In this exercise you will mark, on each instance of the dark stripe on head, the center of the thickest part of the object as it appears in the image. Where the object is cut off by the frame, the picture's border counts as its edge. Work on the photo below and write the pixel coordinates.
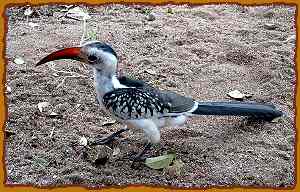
(105, 47)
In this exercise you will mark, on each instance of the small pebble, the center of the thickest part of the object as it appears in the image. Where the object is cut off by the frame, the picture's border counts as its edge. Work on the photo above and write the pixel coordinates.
(270, 26)
(151, 17)
(83, 141)
(236, 94)
(8, 90)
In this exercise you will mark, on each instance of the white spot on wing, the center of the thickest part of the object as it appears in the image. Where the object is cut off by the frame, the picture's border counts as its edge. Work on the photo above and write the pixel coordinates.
(125, 110)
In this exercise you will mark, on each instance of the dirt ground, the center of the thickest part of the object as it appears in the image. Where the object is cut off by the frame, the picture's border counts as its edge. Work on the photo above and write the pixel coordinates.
(199, 51)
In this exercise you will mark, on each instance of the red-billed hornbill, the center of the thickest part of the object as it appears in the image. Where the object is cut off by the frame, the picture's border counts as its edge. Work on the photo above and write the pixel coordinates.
(137, 104)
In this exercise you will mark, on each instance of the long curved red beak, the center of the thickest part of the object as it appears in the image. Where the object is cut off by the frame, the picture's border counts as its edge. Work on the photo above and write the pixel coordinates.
(67, 53)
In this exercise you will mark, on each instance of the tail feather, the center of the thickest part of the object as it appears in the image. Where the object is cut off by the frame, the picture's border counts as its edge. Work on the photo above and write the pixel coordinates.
(256, 110)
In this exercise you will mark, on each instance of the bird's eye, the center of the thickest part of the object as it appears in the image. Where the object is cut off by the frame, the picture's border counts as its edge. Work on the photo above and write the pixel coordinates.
(92, 58)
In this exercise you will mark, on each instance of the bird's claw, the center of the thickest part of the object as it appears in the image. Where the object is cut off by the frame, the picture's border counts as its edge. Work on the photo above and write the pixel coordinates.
(109, 139)
(103, 141)
(137, 157)
(138, 161)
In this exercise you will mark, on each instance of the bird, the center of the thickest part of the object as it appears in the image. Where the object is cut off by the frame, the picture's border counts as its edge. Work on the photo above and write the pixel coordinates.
(138, 104)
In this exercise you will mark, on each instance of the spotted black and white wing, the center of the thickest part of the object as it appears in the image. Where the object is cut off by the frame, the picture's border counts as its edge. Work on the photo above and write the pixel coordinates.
(145, 102)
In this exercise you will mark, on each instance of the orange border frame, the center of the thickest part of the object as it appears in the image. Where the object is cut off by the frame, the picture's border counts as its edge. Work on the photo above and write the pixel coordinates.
(3, 106)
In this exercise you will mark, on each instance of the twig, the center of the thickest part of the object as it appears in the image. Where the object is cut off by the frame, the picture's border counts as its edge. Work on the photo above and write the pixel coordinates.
(70, 17)
(84, 32)
(52, 131)
(82, 37)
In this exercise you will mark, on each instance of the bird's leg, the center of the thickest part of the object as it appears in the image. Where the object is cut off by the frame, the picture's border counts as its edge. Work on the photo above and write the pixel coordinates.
(110, 138)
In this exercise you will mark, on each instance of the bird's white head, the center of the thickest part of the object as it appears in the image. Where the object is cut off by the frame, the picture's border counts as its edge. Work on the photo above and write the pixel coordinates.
(94, 53)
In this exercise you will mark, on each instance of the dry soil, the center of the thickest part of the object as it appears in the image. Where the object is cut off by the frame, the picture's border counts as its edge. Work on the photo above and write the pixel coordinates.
(199, 51)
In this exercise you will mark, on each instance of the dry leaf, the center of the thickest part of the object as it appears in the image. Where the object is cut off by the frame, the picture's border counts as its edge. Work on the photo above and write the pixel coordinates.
(150, 71)
(83, 141)
(19, 61)
(116, 151)
(276, 120)
(236, 94)
(28, 11)
(43, 105)
(33, 25)
(8, 89)
(175, 169)
(78, 12)
(68, 6)
(55, 74)
(55, 115)
(156, 82)
(160, 162)
(108, 123)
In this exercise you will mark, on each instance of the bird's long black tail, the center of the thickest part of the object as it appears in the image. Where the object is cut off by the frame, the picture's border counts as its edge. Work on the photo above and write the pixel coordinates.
(252, 109)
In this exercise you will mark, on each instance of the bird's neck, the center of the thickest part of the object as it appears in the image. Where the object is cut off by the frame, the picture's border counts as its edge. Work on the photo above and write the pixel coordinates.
(105, 82)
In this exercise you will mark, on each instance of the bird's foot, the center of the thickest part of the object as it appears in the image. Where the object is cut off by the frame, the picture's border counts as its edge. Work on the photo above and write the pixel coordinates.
(109, 139)
(139, 158)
